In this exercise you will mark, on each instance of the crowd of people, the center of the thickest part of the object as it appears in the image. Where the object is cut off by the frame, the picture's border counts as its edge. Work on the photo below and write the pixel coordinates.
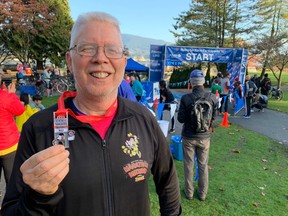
(254, 91)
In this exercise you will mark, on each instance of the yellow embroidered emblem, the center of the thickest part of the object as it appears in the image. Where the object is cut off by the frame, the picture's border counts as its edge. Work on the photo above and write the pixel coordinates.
(131, 146)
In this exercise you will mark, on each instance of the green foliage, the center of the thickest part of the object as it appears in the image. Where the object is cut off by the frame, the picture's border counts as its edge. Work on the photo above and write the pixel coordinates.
(181, 74)
(36, 29)
(213, 23)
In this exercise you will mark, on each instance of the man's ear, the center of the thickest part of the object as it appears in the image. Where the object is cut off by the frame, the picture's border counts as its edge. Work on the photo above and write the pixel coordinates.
(69, 61)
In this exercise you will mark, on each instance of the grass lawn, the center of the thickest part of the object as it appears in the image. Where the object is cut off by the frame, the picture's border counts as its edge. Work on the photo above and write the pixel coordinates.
(252, 182)
(48, 101)
(281, 105)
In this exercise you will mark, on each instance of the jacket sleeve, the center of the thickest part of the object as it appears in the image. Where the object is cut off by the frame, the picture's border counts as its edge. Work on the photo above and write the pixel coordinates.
(18, 107)
(165, 177)
(20, 199)
(181, 112)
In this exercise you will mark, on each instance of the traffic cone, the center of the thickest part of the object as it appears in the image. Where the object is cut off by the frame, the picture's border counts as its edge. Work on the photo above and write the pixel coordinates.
(3, 86)
(188, 86)
(155, 104)
(225, 122)
(217, 94)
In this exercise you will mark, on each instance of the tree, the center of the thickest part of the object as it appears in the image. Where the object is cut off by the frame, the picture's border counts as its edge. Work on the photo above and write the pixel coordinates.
(273, 16)
(216, 23)
(21, 22)
(56, 42)
(34, 29)
(277, 63)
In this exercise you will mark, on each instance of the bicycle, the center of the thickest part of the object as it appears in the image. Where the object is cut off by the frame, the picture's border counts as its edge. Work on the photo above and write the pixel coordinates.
(276, 93)
(62, 84)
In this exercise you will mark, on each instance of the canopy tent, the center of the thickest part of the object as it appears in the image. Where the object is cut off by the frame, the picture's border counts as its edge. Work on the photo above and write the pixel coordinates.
(135, 66)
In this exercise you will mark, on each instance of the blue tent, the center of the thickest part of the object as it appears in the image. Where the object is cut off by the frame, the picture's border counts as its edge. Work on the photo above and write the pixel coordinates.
(135, 66)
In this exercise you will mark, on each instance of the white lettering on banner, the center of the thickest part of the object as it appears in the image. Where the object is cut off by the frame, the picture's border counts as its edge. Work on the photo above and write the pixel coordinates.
(198, 57)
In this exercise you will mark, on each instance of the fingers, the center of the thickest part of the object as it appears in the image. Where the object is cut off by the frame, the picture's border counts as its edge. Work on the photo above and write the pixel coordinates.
(37, 158)
(44, 171)
(11, 88)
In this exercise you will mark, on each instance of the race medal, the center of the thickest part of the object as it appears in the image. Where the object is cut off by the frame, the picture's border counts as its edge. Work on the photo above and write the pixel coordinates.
(61, 128)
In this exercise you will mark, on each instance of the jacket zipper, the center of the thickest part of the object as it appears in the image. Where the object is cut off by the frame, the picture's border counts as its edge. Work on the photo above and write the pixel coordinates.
(107, 179)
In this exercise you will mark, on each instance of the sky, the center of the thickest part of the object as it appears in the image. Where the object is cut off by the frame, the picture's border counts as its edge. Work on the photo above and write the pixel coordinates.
(146, 18)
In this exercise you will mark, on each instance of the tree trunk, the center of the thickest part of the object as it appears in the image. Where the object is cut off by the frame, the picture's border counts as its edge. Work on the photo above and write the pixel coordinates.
(39, 64)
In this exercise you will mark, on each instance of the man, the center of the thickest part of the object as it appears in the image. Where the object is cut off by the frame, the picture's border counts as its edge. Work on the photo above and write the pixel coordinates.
(114, 143)
(257, 81)
(195, 137)
(47, 78)
(225, 84)
(265, 85)
(250, 91)
(10, 106)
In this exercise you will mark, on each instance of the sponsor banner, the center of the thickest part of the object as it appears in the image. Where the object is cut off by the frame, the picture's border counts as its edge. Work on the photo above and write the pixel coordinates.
(157, 55)
(176, 54)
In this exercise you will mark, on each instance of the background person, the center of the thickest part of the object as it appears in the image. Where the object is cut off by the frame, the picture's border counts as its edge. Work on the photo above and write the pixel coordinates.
(46, 75)
(10, 106)
(21, 119)
(193, 140)
(250, 91)
(237, 91)
(167, 97)
(36, 102)
(265, 85)
(137, 87)
(125, 91)
(116, 143)
(225, 84)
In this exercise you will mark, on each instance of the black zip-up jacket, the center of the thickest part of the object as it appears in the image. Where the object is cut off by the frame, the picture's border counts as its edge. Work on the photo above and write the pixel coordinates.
(184, 112)
(106, 177)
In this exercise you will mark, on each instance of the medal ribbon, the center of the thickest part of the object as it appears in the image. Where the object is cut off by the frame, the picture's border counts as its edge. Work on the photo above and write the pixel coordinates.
(83, 118)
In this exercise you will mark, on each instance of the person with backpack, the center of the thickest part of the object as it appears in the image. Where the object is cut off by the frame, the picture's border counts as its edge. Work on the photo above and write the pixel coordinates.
(197, 111)
(265, 85)
(250, 90)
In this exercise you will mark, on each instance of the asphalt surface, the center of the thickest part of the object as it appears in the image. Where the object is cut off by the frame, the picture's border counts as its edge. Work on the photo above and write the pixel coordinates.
(269, 123)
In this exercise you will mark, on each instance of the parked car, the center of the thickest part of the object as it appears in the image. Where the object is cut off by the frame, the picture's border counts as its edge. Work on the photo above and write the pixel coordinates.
(9, 66)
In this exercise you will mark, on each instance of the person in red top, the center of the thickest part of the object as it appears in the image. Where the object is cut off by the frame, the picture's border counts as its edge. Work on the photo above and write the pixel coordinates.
(10, 106)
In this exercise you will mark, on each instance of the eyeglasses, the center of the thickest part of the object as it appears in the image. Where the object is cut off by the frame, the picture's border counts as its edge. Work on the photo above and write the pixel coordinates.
(90, 50)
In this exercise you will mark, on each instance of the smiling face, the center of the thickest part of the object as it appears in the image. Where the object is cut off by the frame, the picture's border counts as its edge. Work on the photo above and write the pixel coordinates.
(97, 76)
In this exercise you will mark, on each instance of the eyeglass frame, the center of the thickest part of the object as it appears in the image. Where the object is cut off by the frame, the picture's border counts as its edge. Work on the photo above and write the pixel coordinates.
(124, 51)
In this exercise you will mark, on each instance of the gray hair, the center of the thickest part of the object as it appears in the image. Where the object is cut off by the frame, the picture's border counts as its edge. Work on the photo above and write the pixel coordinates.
(92, 16)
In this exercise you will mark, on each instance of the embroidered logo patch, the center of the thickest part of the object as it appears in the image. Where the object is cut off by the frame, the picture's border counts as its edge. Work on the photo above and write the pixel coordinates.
(136, 169)
(131, 147)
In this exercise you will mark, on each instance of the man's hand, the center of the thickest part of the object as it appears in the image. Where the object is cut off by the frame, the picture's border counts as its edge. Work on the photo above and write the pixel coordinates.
(44, 171)
(11, 88)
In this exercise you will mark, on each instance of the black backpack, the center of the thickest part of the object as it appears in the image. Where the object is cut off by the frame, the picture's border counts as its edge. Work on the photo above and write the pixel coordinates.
(201, 113)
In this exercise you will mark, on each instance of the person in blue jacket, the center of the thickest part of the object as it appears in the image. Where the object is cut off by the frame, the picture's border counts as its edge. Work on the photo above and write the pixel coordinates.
(125, 91)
